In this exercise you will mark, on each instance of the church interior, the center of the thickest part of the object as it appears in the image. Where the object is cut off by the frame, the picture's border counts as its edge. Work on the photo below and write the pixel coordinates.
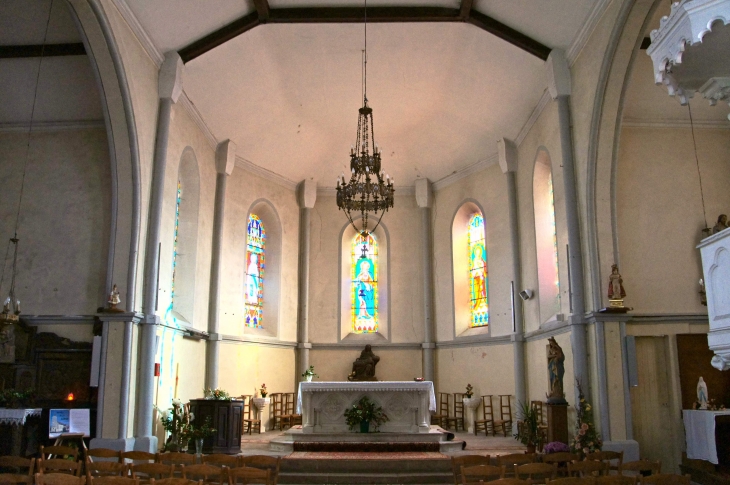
(172, 183)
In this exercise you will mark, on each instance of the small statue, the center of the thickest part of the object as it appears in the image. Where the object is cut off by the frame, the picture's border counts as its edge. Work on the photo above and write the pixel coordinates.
(556, 367)
(113, 301)
(616, 292)
(702, 393)
(721, 224)
(363, 369)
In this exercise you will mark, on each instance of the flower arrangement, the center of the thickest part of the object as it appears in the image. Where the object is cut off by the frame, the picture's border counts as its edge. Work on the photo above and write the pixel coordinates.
(586, 439)
(365, 411)
(309, 373)
(711, 405)
(263, 390)
(216, 394)
(176, 421)
(469, 391)
(201, 432)
(528, 426)
(556, 447)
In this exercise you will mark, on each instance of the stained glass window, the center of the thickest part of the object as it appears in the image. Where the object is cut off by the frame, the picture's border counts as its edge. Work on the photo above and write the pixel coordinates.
(364, 284)
(478, 275)
(255, 265)
(555, 237)
(174, 243)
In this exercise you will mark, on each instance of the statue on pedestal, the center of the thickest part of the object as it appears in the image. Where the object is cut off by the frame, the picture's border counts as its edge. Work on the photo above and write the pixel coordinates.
(556, 367)
(616, 292)
(113, 301)
(363, 369)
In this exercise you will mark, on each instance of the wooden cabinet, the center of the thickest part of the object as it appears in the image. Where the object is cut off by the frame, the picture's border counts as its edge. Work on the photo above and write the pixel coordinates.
(225, 417)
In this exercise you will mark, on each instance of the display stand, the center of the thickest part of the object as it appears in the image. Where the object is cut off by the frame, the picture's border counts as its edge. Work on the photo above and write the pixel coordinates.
(557, 417)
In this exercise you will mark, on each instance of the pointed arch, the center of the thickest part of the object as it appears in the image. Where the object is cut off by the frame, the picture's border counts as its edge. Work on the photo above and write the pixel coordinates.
(546, 236)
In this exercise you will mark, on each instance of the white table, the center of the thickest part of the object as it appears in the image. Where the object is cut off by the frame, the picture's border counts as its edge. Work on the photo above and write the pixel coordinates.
(699, 430)
(408, 404)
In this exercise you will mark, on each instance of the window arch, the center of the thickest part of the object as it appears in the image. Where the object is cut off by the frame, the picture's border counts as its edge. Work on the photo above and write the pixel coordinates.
(364, 284)
(546, 239)
(255, 265)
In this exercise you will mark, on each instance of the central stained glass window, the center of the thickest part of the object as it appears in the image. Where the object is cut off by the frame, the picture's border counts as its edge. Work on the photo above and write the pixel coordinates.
(364, 284)
(478, 275)
(255, 265)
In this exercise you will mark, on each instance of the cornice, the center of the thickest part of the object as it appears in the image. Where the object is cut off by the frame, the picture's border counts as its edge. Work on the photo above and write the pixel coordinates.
(24, 127)
(534, 116)
(197, 118)
(660, 123)
(266, 174)
(465, 172)
(585, 32)
(139, 32)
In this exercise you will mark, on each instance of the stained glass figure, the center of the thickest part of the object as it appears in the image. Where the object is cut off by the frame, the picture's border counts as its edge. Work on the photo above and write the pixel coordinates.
(174, 243)
(364, 286)
(255, 264)
(478, 275)
(555, 239)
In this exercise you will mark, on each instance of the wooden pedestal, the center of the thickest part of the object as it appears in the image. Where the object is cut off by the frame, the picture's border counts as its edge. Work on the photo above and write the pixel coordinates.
(557, 418)
(225, 417)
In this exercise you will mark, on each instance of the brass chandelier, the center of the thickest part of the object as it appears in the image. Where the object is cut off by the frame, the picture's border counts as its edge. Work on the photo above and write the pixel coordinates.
(369, 191)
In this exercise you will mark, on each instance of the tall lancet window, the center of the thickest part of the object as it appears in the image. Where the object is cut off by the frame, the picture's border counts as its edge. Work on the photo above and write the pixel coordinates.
(364, 284)
(478, 274)
(255, 265)
(546, 237)
(555, 237)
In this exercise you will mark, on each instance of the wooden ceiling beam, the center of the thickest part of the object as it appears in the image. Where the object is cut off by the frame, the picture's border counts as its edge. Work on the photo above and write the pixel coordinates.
(48, 50)
(304, 15)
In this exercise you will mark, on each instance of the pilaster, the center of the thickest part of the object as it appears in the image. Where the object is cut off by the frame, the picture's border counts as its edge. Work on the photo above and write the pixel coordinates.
(306, 198)
(424, 200)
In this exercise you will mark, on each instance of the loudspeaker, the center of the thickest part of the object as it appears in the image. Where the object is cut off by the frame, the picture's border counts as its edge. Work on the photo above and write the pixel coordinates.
(526, 294)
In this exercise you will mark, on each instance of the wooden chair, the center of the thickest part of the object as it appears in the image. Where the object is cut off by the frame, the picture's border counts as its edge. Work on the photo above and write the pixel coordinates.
(58, 479)
(249, 422)
(59, 465)
(505, 411)
(277, 409)
(138, 457)
(205, 472)
(561, 459)
(542, 428)
(146, 472)
(536, 472)
(18, 465)
(178, 460)
(264, 462)
(102, 454)
(509, 481)
(458, 418)
(480, 473)
(175, 481)
(442, 416)
(112, 481)
(611, 458)
(15, 478)
(290, 417)
(59, 452)
(587, 468)
(615, 480)
(246, 475)
(488, 417)
(572, 481)
(641, 467)
(220, 460)
(105, 469)
(466, 460)
(666, 479)
(513, 460)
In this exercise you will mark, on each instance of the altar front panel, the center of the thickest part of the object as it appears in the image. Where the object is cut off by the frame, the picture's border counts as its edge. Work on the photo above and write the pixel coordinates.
(408, 405)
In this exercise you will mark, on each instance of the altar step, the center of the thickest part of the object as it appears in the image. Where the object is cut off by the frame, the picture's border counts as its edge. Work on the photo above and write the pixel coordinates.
(365, 468)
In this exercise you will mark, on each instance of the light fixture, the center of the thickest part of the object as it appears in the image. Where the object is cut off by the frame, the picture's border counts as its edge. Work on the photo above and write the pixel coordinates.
(369, 190)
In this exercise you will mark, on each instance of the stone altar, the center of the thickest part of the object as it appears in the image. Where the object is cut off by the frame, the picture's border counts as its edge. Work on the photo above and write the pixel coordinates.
(407, 404)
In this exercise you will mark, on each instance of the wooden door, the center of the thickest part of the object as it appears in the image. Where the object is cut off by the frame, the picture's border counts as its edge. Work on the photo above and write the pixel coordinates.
(650, 402)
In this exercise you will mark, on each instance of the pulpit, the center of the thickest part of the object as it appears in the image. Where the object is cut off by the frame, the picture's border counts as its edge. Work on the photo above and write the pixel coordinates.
(226, 417)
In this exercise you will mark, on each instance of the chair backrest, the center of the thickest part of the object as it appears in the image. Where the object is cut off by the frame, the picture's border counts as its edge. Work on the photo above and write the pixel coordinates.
(246, 475)
(112, 481)
(15, 478)
(59, 452)
(105, 469)
(147, 471)
(176, 458)
(639, 466)
(615, 480)
(290, 403)
(246, 398)
(487, 409)
(665, 479)
(585, 468)
(562, 457)
(505, 407)
(59, 465)
(58, 479)
(533, 471)
(607, 457)
(21, 466)
(205, 472)
(572, 481)
(263, 462)
(175, 481)
(479, 473)
(444, 403)
(510, 481)
(105, 454)
(220, 460)
(459, 404)
(537, 406)
(466, 460)
(138, 457)
(515, 459)
(277, 404)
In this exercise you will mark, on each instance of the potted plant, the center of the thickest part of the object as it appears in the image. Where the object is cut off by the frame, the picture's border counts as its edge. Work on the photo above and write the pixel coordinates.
(528, 431)
(200, 433)
(309, 373)
(263, 390)
(363, 413)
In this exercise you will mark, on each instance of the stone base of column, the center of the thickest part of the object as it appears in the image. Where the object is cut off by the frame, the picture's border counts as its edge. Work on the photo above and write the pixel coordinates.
(124, 444)
(557, 418)
(146, 443)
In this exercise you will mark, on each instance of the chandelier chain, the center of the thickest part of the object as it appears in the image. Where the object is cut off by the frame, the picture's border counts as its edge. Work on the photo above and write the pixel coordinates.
(697, 162)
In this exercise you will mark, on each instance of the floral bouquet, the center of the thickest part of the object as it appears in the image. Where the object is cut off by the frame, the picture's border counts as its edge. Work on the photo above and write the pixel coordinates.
(263, 390)
(365, 411)
(176, 421)
(216, 394)
(469, 391)
(556, 447)
(202, 432)
(586, 439)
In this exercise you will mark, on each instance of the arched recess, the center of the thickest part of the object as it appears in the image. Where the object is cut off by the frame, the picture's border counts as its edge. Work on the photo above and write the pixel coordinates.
(116, 101)
(469, 278)
(186, 237)
(345, 322)
(546, 243)
(622, 49)
(272, 277)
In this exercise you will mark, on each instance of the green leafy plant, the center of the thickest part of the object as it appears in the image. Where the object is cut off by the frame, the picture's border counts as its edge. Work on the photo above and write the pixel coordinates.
(176, 421)
(469, 391)
(310, 372)
(586, 439)
(201, 432)
(13, 399)
(216, 394)
(528, 425)
(367, 411)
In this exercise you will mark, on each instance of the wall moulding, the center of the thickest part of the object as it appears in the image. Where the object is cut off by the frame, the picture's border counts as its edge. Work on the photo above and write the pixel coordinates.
(661, 318)
(358, 345)
(478, 341)
(548, 330)
(245, 340)
(35, 320)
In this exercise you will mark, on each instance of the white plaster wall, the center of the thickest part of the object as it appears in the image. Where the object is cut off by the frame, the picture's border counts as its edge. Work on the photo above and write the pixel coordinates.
(488, 368)
(244, 367)
(64, 219)
(659, 212)
(396, 364)
(403, 224)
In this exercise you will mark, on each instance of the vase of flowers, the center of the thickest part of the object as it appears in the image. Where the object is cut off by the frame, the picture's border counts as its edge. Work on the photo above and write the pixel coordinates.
(198, 434)
(309, 374)
(364, 412)
(263, 390)
(176, 421)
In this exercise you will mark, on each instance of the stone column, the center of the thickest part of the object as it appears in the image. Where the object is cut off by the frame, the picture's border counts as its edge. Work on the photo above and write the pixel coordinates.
(170, 88)
(507, 150)
(558, 74)
(306, 197)
(112, 423)
(424, 199)
(225, 160)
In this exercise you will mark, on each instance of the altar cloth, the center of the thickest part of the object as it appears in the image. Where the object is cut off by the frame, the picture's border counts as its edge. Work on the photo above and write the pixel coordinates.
(17, 417)
(699, 430)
